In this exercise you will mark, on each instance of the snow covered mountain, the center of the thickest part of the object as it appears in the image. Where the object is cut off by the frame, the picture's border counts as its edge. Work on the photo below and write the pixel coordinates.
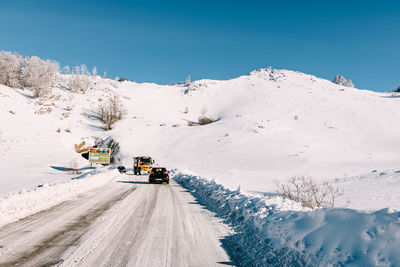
(270, 125)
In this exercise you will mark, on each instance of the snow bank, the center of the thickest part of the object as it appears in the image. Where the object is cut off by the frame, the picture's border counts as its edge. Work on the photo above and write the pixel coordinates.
(24, 203)
(274, 231)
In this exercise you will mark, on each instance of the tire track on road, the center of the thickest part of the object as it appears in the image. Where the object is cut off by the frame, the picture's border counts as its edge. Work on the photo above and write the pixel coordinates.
(48, 251)
(135, 230)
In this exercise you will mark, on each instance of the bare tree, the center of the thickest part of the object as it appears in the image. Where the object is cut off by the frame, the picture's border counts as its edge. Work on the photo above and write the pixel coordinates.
(304, 190)
(74, 168)
(111, 112)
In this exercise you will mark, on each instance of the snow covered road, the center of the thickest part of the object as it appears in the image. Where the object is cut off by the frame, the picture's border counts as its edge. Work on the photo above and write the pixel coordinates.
(128, 222)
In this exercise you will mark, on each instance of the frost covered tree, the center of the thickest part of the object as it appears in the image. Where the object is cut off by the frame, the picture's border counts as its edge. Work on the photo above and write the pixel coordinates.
(188, 80)
(94, 71)
(37, 74)
(341, 80)
(188, 84)
(66, 70)
(79, 80)
(10, 68)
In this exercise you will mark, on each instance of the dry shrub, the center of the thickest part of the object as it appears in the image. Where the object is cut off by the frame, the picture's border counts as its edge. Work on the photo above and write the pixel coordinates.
(74, 168)
(111, 112)
(191, 123)
(203, 120)
(43, 110)
(310, 194)
(69, 107)
(58, 130)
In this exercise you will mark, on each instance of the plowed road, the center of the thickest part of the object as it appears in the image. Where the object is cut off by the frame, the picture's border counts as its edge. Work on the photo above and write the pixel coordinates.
(126, 223)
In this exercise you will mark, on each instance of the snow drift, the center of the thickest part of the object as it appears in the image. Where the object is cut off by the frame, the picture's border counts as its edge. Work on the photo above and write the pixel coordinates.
(271, 231)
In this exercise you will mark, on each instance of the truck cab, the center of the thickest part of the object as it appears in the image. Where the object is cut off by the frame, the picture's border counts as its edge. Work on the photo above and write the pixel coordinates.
(142, 163)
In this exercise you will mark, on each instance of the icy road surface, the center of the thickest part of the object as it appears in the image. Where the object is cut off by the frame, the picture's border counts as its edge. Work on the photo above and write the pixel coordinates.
(128, 222)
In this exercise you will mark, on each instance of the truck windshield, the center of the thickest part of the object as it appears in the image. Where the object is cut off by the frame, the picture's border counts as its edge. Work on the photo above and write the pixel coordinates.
(146, 161)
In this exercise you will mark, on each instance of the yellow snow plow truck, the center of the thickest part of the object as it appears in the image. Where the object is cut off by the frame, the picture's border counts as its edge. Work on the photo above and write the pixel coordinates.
(142, 164)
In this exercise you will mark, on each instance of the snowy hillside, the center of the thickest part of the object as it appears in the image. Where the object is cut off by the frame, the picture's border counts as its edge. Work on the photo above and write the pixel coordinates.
(271, 124)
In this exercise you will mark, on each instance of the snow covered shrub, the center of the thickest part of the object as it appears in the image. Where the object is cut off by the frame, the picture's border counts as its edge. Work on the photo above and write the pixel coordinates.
(203, 120)
(311, 195)
(37, 75)
(10, 68)
(79, 81)
(269, 74)
(43, 110)
(339, 79)
(191, 123)
(111, 111)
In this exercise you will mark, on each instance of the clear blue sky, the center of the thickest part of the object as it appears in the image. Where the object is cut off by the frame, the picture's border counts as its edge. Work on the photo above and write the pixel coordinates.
(165, 41)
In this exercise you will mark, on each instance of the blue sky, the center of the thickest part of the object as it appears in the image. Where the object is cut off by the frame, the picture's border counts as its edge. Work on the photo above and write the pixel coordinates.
(165, 41)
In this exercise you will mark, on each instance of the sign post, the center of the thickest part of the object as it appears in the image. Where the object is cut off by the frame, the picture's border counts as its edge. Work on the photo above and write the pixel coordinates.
(99, 155)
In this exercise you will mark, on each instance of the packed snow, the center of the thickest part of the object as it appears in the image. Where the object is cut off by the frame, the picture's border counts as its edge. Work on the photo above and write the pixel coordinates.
(271, 231)
(269, 126)
(23, 203)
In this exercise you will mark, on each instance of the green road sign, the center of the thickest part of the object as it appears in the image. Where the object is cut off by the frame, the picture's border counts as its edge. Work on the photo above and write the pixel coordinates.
(99, 155)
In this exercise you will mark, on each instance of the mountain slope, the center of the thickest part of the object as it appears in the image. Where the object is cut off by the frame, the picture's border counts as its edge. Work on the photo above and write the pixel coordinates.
(271, 124)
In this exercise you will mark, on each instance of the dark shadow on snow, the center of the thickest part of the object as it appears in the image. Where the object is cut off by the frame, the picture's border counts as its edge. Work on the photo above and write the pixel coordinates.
(391, 96)
(80, 176)
(83, 175)
(133, 182)
(23, 94)
(229, 263)
(93, 116)
(64, 169)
